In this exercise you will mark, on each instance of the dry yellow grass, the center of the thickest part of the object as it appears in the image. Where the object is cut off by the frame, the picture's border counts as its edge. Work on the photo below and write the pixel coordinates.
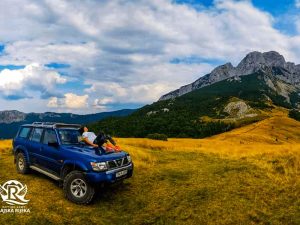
(5, 145)
(249, 175)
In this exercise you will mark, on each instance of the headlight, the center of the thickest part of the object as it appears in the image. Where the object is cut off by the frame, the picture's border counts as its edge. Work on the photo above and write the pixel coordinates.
(129, 158)
(100, 166)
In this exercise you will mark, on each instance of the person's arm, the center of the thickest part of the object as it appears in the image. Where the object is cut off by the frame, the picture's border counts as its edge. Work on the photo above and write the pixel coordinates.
(86, 140)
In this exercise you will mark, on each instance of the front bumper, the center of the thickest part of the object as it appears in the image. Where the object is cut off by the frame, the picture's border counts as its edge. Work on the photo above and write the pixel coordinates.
(110, 175)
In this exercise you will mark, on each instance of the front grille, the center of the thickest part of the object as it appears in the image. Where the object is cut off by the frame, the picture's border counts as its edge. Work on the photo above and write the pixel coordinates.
(111, 164)
(117, 163)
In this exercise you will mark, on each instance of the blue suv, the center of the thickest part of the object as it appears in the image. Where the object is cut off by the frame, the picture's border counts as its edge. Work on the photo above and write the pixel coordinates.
(56, 150)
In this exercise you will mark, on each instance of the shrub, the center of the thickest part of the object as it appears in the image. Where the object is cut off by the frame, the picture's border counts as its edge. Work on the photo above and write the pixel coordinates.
(157, 136)
(295, 114)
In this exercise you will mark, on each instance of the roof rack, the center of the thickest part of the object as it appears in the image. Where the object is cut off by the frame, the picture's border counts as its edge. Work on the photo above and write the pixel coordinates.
(55, 125)
(43, 123)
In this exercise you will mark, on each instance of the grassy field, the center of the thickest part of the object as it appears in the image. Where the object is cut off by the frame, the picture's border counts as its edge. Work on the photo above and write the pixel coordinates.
(250, 175)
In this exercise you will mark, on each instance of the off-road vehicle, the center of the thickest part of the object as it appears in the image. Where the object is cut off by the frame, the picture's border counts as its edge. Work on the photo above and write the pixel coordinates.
(56, 150)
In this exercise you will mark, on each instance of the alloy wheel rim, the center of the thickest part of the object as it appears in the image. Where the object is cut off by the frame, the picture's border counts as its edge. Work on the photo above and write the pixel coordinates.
(21, 163)
(78, 188)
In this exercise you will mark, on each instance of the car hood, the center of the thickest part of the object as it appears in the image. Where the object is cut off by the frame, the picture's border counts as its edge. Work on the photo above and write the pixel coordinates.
(92, 153)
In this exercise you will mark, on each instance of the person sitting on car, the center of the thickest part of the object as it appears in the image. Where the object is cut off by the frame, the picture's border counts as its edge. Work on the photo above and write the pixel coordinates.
(88, 137)
(98, 141)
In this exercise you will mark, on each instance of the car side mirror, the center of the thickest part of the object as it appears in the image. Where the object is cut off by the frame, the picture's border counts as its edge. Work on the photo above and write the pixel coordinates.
(53, 144)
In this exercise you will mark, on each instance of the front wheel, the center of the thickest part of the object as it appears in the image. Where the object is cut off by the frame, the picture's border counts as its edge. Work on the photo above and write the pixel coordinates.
(22, 163)
(77, 189)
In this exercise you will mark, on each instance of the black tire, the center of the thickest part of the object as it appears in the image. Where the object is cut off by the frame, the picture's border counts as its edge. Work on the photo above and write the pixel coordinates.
(22, 163)
(77, 189)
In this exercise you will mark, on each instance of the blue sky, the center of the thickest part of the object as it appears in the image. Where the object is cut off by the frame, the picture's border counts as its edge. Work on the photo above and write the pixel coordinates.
(1, 48)
(11, 67)
(92, 56)
(276, 7)
(280, 9)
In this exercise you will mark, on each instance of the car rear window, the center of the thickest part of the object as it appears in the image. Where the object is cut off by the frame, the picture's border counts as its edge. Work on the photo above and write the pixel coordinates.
(24, 132)
(37, 134)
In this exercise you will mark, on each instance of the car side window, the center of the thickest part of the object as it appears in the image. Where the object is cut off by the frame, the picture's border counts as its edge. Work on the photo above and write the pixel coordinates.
(37, 134)
(49, 136)
(24, 132)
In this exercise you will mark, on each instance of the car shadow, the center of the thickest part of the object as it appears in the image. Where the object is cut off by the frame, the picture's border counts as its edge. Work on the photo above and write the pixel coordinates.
(108, 192)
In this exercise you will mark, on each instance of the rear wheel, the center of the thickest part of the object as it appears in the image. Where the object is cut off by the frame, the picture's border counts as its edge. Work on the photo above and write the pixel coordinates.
(22, 163)
(77, 189)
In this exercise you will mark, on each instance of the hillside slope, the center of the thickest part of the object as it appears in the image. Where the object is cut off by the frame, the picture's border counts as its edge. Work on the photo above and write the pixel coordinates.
(243, 176)
(277, 134)
(228, 103)
(278, 129)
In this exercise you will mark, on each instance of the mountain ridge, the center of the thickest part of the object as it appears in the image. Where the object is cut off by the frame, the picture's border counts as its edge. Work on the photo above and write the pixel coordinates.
(251, 63)
(10, 120)
(212, 109)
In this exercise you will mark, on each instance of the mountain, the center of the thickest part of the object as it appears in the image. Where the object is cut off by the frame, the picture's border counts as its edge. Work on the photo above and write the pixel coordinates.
(10, 120)
(228, 97)
(253, 62)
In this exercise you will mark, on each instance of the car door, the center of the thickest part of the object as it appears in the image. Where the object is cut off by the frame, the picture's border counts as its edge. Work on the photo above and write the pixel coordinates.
(35, 145)
(51, 153)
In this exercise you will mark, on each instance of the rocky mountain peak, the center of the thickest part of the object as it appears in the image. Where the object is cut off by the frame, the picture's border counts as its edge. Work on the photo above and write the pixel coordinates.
(255, 61)
(252, 58)
(251, 63)
(226, 70)
(273, 58)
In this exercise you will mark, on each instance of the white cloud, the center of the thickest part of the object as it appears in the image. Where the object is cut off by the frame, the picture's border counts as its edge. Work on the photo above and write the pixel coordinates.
(33, 77)
(75, 101)
(116, 32)
(53, 102)
(123, 48)
(149, 86)
(116, 93)
(297, 3)
(101, 104)
(103, 101)
(69, 101)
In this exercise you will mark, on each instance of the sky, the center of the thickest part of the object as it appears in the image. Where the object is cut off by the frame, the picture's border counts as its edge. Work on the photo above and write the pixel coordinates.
(94, 56)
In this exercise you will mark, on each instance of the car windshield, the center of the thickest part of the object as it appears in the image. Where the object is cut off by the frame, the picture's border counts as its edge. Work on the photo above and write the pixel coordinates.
(69, 136)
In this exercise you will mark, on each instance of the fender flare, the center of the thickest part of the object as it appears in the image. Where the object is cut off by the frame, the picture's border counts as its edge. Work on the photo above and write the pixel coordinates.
(21, 148)
(74, 164)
